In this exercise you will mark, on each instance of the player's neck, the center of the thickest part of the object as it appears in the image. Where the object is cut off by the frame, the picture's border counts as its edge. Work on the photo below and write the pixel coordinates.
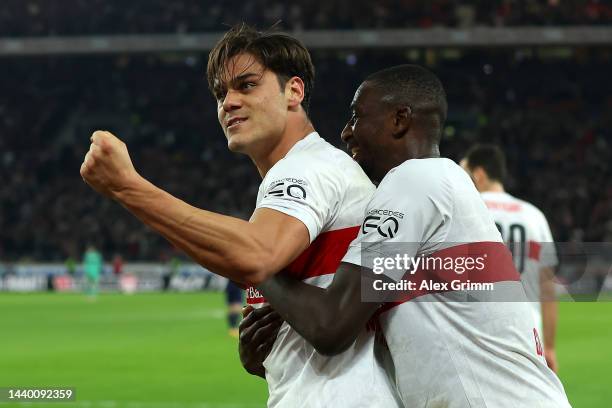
(429, 152)
(493, 187)
(292, 135)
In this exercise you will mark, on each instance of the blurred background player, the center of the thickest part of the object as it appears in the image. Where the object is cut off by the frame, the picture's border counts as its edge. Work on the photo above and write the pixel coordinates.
(71, 265)
(117, 265)
(525, 229)
(92, 268)
(171, 270)
(234, 300)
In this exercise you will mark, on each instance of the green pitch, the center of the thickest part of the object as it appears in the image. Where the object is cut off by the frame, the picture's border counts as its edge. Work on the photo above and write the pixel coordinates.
(146, 350)
(172, 350)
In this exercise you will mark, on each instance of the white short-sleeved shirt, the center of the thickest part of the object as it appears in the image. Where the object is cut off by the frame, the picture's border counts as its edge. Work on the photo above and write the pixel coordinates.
(327, 191)
(453, 353)
(524, 227)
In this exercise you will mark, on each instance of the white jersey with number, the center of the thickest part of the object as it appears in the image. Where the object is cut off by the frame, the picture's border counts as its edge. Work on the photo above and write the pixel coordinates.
(525, 229)
(452, 347)
(326, 190)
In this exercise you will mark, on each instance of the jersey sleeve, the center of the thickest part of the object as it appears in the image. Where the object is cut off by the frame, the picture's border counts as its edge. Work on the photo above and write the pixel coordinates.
(306, 191)
(400, 218)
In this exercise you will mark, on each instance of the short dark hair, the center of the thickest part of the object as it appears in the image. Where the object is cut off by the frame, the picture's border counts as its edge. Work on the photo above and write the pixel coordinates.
(490, 158)
(414, 86)
(280, 53)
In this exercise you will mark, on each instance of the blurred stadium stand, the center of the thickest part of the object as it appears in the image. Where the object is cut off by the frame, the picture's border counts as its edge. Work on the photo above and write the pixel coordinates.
(550, 107)
(78, 17)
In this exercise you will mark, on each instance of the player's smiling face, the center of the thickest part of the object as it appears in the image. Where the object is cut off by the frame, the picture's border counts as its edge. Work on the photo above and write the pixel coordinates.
(251, 106)
(367, 133)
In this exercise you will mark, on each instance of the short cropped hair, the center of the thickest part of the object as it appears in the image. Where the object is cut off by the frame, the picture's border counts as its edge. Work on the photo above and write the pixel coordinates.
(280, 53)
(414, 86)
(490, 158)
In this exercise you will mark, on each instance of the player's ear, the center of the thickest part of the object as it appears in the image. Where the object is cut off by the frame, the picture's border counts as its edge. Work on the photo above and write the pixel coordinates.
(401, 121)
(294, 90)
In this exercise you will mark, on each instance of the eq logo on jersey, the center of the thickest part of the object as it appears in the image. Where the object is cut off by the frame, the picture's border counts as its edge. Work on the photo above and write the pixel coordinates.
(386, 226)
(291, 187)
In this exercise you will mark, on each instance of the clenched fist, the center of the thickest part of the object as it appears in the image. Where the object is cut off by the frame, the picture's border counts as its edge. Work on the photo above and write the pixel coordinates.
(107, 167)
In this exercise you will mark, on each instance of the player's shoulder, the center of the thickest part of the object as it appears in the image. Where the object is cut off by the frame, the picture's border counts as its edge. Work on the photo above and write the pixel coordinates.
(315, 162)
(437, 167)
(315, 149)
(425, 174)
(422, 183)
(528, 208)
(313, 155)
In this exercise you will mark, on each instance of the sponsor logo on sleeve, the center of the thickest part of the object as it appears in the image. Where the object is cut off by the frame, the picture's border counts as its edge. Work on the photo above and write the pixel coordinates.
(384, 222)
(287, 187)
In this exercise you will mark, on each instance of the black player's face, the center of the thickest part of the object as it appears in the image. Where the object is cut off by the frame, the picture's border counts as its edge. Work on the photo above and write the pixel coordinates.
(366, 134)
(251, 106)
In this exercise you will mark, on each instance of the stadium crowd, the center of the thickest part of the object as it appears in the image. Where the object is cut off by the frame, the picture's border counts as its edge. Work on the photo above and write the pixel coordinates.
(553, 117)
(65, 17)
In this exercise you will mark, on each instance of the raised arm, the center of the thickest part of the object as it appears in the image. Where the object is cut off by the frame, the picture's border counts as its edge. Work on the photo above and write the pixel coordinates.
(246, 252)
(330, 319)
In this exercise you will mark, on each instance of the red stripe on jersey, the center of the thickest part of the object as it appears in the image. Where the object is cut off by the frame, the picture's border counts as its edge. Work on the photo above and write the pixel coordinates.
(322, 257)
(508, 207)
(497, 267)
(534, 250)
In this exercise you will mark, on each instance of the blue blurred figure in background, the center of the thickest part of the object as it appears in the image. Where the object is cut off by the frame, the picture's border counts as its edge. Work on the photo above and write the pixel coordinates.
(234, 300)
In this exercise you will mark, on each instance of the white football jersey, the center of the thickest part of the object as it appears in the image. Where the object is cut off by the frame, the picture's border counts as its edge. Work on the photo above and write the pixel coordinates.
(452, 347)
(525, 229)
(326, 190)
